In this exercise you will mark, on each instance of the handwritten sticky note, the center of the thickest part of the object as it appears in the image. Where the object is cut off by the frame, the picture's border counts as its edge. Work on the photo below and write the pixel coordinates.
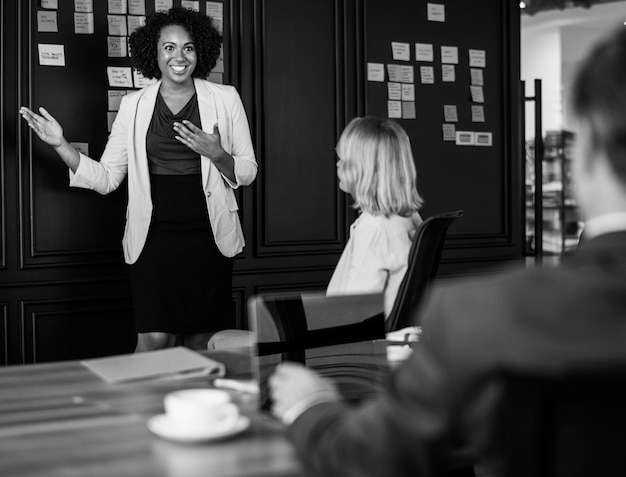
(394, 109)
(427, 74)
(141, 81)
(400, 51)
(117, 7)
(47, 21)
(394, 73)
(114, 99)
(117, 47)
(448, 74)
(51, 55)
(134, 22)
(464, 138)
(435, 12)
(450, 114)
(215, 9)
(50, 4)
(190, 4)
(477, 94)
(137, 7)
(120, 76)
(478, 58)
(423, 52)
(476, 76)
(478, 113)
(394, 91)
(449, 132)
(375, 72)
(408, 92)
(83, 6)
(83, 23)
(406, 74)
(408, 110)
(450, 54)
(163, 5)
(117, 25)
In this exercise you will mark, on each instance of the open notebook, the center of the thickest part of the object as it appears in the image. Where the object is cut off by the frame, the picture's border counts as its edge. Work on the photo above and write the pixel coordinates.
(170, 363)
(341, 337)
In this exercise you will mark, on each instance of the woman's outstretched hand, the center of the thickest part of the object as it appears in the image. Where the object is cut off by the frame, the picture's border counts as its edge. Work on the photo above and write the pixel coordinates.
(44, 125)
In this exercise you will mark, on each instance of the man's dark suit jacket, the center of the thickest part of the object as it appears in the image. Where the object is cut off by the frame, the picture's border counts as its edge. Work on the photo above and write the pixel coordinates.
(544, 319)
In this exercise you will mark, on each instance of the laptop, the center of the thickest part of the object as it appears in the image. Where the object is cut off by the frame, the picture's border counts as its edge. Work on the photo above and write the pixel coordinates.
(340, 337)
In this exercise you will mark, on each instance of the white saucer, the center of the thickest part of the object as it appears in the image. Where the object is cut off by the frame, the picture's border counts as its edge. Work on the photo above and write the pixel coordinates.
(162, 426)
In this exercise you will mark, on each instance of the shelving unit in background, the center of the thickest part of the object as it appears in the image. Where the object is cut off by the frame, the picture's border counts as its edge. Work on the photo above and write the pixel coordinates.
(561, 221)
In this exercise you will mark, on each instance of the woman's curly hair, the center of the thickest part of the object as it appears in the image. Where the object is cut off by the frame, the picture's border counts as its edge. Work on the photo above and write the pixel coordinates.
(143, 42)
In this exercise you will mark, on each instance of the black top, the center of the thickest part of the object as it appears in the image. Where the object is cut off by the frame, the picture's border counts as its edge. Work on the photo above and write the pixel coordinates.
(167, 155)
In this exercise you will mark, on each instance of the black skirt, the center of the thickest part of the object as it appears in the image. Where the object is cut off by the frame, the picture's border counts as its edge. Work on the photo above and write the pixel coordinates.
(182, 283)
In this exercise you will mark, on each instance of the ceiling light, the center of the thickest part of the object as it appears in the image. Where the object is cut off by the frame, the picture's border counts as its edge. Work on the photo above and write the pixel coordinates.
(522, 5)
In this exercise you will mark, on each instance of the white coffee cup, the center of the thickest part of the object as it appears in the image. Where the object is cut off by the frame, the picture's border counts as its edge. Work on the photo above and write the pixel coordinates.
(201, 410)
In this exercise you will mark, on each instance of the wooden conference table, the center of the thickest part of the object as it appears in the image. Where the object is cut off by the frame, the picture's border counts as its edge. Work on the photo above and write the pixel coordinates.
(59, 419)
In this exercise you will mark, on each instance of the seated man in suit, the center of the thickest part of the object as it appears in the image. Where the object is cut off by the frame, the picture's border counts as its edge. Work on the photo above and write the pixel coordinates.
(541, 318)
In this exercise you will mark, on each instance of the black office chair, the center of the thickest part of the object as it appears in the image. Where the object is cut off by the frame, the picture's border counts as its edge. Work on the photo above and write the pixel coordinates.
(422, 268)
(571, 425)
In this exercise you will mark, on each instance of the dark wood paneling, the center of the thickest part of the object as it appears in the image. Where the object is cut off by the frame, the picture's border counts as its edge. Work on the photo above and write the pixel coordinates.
(300, 208)
(57, 330)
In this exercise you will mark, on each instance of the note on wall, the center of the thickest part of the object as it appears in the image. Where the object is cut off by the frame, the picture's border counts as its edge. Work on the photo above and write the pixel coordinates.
(114, 99)
(450, 54)
(406, 74)
(464, 138)
(394, 109)
(400, 51)
(215, 9)
(117, 25)
(477, 94)
(450, 114)
(478, 113)
(137, 7)
(476, 76)
(449, 132)
(478, 58)
(375, 72)
(83, 23)
(435, 12)
(427, 74)
(408, 92)
(448, 74)
(482, 139)
(118, 7)
(117, 46)
(83, 6)
(51, 55)
(408, 110)
(394, 91)
(423, 52)
(47, 21)
(50, 4)
(134, 22)
(120, 76)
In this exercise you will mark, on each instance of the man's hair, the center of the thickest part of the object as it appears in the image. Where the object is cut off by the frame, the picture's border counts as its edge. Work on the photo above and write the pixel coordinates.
(377, 168)
(207, 39)
(599, 99)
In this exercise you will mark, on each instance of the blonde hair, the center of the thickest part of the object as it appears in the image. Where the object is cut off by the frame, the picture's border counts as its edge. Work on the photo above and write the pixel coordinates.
(376, 167)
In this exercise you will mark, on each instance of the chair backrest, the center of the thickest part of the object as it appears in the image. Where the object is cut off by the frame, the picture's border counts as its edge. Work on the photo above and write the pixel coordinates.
(570, 425)
(423, 264)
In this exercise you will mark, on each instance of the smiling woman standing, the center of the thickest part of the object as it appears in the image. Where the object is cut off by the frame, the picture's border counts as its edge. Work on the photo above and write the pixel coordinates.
(185, 145)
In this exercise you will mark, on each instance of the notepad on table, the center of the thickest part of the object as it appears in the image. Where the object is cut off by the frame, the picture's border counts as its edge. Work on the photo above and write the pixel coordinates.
(171, 362)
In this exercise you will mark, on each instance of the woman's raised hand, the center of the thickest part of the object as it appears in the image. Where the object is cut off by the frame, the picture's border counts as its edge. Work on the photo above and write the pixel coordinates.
(45, 126)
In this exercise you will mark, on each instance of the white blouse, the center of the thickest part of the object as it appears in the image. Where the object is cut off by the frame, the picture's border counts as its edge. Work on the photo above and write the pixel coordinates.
(375, 258)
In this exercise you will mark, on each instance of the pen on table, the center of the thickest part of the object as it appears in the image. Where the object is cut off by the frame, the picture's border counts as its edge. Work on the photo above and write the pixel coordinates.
(241, 386)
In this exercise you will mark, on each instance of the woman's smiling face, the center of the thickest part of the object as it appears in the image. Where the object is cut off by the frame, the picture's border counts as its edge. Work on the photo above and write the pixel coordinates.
(176, 54)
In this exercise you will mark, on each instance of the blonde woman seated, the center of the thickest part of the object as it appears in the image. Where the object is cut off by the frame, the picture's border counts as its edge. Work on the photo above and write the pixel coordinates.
(376, 168)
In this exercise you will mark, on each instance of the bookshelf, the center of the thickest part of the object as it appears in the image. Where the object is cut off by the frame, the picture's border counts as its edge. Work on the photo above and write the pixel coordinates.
(561, 221)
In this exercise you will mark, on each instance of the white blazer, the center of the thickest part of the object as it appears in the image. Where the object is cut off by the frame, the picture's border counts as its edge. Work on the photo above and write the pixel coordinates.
(125, 153)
